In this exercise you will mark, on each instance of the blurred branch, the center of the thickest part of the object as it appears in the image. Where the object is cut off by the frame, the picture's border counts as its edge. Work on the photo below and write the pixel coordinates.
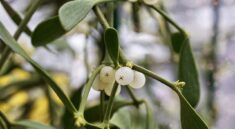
(167, 18)
(8, 67)
(133, 97)
(4, 121)
(101, 17)
(14, 16)
(7, 51)
(135, 16)
(212, 67)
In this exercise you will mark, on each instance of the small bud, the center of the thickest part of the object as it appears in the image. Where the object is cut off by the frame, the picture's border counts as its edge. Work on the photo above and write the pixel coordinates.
(108, 91)
(107, 74)
(179, 84)
(124, 75)
(79, 121)
(129, 64)
(139, 80)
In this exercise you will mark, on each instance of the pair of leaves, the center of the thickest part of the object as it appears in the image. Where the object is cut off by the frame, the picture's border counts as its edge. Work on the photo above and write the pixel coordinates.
(11, 43)
(187, 68)
(70, 14)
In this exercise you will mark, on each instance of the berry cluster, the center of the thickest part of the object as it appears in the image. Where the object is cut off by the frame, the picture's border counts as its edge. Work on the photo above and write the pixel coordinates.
(123, 76)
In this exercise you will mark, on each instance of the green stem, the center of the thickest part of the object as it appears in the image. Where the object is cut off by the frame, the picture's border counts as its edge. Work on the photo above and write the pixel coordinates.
(154, 76)
(133, 97)
(51, 106)
(4, 57)
(102, 106)
(110, 104)
(23, 23)
(110, 13)
(86, 57)
(87, 89)
(148, 115)
(164, 15)
(101, 17)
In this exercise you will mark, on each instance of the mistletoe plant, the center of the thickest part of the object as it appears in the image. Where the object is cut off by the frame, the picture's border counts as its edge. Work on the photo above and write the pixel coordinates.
(115, 71)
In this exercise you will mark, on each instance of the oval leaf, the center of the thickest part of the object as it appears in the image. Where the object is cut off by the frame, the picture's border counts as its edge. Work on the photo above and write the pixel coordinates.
(112, 43)
(10, 42)
(177, 41)
(47, 31)
(73, 12)
(189, 117)
(127, 118)
(32, 124)
(188, 73)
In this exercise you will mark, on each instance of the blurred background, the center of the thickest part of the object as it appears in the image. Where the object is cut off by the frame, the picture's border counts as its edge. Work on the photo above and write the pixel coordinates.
(69, 59)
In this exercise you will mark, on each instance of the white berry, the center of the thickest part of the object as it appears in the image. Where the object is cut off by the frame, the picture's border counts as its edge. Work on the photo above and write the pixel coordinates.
(139, 80)
(108, 90)
(107, 74)
(124, 75)
(98, 84)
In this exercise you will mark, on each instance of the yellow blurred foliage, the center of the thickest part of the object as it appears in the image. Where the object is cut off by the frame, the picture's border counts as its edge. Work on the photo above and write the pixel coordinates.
(40, 110)
(15, 75)
(13, 104)
(19, 99)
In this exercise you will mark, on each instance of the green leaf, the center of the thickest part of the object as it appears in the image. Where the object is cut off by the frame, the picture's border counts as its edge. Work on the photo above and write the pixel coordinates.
(70, 14)
(47, 31)
(177, 40)
(14, 16)
(188, 73)
(112, 43)
(95, 110)
(10, 42)
(31, 124)
(133, 118)
(189, 117)
(73, 12)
